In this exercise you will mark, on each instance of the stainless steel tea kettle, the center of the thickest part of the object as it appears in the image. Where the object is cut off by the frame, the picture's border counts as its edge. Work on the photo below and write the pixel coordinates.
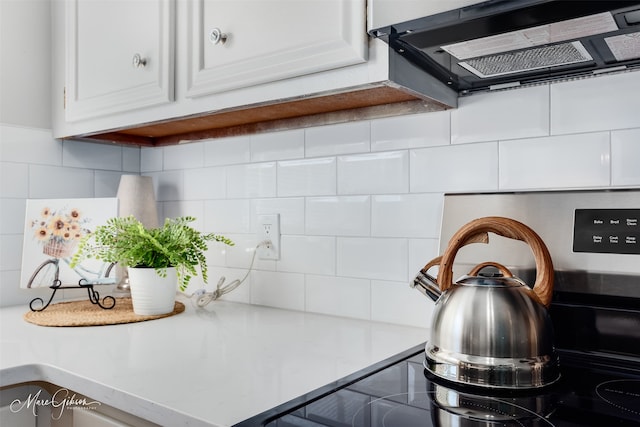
(491, 331)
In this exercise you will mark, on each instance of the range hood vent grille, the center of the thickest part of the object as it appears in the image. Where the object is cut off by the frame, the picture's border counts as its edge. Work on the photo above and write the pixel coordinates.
(527, 60)
(507, 43)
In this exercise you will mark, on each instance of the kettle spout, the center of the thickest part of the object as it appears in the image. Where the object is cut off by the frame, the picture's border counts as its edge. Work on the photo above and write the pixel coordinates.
(427, 284)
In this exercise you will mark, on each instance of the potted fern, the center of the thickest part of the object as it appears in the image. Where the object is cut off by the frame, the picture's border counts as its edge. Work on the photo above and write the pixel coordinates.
(172, 253)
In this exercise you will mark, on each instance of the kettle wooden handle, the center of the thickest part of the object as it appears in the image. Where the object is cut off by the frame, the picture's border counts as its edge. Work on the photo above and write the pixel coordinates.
(476, 238)
(506, 227)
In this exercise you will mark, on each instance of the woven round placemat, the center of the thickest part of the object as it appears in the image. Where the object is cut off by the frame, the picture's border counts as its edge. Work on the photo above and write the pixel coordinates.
(84, 313)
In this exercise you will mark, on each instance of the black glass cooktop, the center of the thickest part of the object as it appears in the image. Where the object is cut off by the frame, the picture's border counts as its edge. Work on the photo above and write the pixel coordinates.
(401, 393)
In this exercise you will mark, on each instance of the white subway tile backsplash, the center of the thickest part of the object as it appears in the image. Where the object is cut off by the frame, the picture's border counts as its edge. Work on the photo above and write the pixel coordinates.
(374, 173)
(228, 216)
(185, 208)
(276, 289)
(555, 162)
(252, 180)
(14, 180)
(28, 145)
(240, 254)
(372, 258)
(277, 146)
(307, 254)
(396, 302)
(205, 183)
(510, 114)
(131, 159)
(596, 104)
(310, 177)
(151, 159)
(468, 167)
(12, 216)
(77, 154)
(227, 151)
(168, 186)
(52, 182)
(406, 215)
(291, 210)
(343, 138)
(217, 252)
(338, 296)
(421, 251)
(359, 202)
(625, 157)
(11, 252)
(411, 131)
(338, 216)
(106, 183)
(184, 156)
(265, 264)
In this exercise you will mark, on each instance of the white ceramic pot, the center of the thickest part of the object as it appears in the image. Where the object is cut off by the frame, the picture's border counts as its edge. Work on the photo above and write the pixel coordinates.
(151, 293)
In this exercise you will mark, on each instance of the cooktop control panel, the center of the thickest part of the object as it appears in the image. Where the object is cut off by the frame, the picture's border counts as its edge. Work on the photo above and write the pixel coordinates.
(584, 230)
(609, 231)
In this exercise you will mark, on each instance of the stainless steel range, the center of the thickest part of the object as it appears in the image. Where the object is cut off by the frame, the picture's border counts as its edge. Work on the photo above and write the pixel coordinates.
(594, 241)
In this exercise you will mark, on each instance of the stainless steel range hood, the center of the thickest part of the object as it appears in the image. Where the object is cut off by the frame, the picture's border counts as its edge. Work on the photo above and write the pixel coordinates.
(506, 43)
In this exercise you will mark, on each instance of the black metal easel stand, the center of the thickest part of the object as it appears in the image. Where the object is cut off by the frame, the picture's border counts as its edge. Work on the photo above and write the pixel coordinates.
(107, 303)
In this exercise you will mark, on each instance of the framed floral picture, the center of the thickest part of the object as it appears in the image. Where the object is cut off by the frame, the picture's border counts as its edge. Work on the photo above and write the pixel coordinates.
(53, 228)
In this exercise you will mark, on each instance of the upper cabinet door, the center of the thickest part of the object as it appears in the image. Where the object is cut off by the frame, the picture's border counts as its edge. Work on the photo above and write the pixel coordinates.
(241, 43)
(120, 56)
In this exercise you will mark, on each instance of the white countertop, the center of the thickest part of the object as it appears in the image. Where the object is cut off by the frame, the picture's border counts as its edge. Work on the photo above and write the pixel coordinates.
(217, 365)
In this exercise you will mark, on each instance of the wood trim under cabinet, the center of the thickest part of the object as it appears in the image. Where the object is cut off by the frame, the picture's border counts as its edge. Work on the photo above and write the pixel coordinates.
(361, 104)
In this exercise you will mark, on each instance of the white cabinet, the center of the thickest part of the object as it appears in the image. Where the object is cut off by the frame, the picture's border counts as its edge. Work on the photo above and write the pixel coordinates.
(9, 416)
(119, 56)
(281, 60)
(16, 410)
(241, 43)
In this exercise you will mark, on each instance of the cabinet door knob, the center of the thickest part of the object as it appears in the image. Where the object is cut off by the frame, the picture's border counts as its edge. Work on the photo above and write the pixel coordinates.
(138, 61)
(216, 36)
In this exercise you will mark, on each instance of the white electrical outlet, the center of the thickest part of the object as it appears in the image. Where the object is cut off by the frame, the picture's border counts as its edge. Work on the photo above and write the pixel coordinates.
(269, 230)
